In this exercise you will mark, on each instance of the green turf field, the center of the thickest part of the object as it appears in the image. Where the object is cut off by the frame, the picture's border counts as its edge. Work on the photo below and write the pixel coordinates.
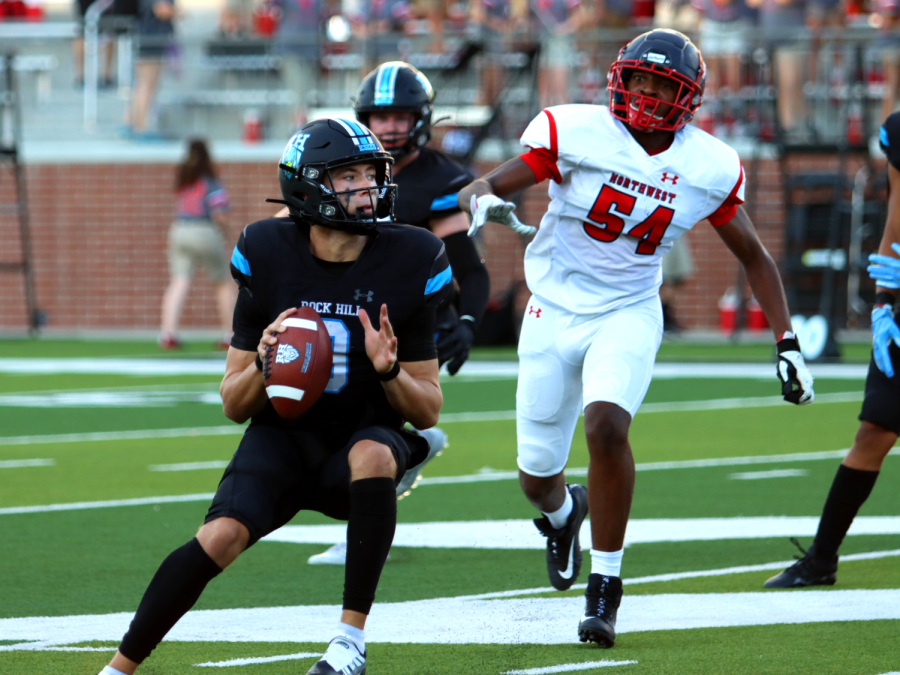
(490, 608)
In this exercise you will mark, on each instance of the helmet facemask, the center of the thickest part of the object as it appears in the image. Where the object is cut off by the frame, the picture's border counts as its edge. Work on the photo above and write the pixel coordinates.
(640, 111)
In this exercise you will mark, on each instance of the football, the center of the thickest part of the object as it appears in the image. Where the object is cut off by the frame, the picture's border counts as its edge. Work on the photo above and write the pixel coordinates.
(299, 366)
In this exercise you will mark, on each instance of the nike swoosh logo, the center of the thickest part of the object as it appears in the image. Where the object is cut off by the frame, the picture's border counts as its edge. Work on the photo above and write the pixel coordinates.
(568, 573)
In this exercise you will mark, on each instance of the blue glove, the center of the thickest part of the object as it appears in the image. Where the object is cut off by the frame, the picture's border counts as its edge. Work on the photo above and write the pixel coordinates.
(884, 330)
(885, 269)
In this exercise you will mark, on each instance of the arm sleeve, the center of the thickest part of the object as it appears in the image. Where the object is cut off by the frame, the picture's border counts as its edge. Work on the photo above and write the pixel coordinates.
(471, 275)
(444, 203)
(438, 282)
(728, 207)
(889, 139)
(542, 141)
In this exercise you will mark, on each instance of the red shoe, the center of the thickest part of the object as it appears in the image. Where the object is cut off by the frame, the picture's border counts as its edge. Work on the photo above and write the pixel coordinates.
(168, 342)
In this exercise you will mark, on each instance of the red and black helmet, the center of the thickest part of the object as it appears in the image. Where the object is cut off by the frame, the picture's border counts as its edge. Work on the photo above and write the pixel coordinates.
(663, 52)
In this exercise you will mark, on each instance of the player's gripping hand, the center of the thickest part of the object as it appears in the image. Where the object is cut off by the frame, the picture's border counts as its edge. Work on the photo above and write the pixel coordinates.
(492, 208)
(381, 345)
(884, 331)
(270, 338)
(885, 269)
(455, 345)
(796, 380)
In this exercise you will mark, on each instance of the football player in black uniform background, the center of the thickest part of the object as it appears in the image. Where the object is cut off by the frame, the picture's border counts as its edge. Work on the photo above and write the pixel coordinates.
(345, 456)
(396, 101)
(879, 419)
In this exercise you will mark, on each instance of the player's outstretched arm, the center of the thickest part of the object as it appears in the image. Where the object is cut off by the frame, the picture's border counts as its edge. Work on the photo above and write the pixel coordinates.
(243, 389)
(413, 388)
(885, 269)
(765, 281)
(484, 199)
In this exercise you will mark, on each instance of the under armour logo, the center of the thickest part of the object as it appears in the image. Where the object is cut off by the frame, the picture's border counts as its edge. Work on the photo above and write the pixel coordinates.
(672, 178)
(536, 312)
(367, 295)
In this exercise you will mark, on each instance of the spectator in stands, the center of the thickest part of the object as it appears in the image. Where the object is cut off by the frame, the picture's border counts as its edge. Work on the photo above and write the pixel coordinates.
(556, 22)
(491, 21)
(379, 24)
(723, 27)
(783, 23)
(297, 41)
(155, 28)
(609, 14)
(888, 43)
(196, 238)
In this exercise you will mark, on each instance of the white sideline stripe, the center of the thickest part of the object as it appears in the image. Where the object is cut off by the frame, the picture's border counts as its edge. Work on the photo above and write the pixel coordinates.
(762, 475)
(188, 466)
(77, 506)
(258, 659)
(569, 667)
(22, 463)
(300, 323)
(137, 435)
(280, 391)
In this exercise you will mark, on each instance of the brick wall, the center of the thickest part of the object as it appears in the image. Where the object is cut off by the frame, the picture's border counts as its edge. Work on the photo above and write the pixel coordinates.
(99, 240)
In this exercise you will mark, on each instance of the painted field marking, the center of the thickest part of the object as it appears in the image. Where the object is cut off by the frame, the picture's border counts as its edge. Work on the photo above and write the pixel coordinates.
(111, 503)
(258, 659)
(22, 463)
(775, 473)
(138, 435)
(188, 466)
(569, 667)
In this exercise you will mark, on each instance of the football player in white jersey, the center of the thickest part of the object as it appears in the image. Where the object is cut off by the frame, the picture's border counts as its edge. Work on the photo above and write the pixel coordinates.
(627, 181)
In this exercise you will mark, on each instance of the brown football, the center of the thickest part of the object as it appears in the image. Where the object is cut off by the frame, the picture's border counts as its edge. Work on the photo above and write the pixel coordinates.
(299, 366)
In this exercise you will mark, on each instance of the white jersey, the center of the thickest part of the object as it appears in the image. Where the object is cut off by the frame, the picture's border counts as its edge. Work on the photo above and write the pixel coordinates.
(615, 210)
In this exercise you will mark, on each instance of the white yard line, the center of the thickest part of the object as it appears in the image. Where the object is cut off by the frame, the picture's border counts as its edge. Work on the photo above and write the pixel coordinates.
(257, 659)
(762, 475)
(23, 463)
(137, 435)
(188, 466)
(112, 503)
(569, 667)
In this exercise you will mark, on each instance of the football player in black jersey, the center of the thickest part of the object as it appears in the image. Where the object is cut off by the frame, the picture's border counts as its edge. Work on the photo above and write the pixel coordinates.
(396, 101)
(879, 419)
(345, 456)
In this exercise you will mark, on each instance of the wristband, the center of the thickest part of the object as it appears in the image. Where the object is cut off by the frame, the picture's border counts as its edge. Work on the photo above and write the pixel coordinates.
(885, 298)
(788, 344)
(391, 374)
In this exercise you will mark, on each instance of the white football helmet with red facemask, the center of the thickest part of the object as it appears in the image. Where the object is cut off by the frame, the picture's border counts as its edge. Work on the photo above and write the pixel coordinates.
(662, 52)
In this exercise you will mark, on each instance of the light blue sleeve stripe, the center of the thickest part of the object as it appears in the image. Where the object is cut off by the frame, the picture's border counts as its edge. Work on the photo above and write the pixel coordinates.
(438, 281)
(445, 202)
(240, 262)
(883, 137)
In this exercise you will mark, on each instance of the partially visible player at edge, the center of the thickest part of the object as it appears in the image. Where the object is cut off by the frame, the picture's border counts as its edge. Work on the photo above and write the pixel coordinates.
(628, 180)
(396, 102)
(879, 419)
(345, 456)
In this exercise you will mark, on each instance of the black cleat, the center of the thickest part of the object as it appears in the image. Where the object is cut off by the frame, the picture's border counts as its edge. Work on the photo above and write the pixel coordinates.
(563, 545)
(601, 601)
(809, 570)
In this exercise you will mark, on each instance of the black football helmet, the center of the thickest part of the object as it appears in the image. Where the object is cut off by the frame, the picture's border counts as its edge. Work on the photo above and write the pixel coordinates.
(398, 87)
(313, 153)
(663, 52)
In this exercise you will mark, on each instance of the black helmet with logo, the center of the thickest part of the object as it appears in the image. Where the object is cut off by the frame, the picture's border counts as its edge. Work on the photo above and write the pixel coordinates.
(663, 52)
(398, 87)
(311, 156)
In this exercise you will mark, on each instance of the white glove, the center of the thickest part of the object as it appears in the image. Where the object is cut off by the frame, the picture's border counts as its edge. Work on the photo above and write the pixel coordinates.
(792, 372)
(492, 208)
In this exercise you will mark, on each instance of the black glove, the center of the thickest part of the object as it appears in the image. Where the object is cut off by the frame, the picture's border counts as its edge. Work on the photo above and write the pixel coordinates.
(796, 380)
(454, 346)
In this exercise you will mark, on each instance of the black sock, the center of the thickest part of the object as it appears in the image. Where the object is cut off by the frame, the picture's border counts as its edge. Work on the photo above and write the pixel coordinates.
(850, 489)
(175, 587)
(373, 519)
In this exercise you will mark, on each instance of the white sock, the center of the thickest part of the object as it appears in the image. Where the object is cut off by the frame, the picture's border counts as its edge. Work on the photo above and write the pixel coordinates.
(356, 635)
(109, 670)
(559, 517)
(608, 563)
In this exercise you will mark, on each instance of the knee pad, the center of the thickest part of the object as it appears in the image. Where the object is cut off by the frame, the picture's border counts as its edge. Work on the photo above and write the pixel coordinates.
(543, 449)
(540, 391)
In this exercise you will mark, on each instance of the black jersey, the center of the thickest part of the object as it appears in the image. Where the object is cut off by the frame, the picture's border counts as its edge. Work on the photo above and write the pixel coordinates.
(889, 139)
(403, 267)
(427, 188)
